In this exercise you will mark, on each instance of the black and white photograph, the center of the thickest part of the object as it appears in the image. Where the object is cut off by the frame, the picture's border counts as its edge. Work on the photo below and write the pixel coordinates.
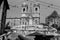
(29, 19)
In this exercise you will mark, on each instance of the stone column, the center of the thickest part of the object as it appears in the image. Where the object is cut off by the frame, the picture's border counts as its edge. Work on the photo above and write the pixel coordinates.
(30, 21)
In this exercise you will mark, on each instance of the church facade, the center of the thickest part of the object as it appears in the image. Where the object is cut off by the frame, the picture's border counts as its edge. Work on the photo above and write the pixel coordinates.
(30, 14)
(29, 20)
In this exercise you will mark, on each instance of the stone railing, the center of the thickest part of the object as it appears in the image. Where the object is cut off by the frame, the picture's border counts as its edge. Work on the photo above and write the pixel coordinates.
(33, 28)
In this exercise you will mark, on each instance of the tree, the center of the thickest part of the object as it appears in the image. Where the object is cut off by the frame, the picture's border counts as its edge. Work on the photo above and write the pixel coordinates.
(4, 14)
(54, 15)
(51, 18)
(54, 26)
(1, 2)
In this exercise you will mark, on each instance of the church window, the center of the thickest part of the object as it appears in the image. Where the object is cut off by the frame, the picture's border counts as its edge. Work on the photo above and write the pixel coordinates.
(36, 9)
(23, 23)
(35, 21)
(24, 9)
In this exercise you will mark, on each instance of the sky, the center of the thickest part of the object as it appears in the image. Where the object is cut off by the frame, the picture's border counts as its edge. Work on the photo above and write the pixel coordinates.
(44, 10)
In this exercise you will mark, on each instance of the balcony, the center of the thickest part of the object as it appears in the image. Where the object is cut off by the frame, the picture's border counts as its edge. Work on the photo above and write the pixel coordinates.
(28, 27)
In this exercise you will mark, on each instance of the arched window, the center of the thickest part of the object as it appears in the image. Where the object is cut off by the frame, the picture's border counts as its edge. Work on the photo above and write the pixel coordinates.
(36, 7)
(23, 23)
(24, 9)
(36, 21)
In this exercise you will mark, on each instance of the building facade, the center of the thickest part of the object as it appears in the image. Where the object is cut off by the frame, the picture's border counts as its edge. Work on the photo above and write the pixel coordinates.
(29, 19)
(30, 14)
